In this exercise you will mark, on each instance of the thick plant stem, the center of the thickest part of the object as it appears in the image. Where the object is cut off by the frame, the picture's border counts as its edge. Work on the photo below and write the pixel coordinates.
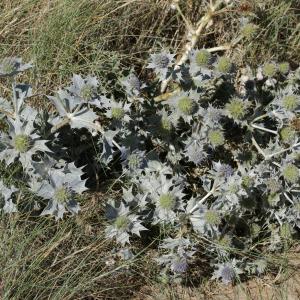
(202, 200)
(269, 156)
(202, 24)
(264, 129)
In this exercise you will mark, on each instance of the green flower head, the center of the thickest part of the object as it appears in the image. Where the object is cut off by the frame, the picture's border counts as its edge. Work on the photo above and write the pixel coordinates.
(247, 181)
(186, 105)
(22, 143)
(237, 108)
(216, 137)
(290, 173)
(287, 134)
(212, 217)
(286, 231)
(121, 222)
(290, 102)
(87, 92)
(167, 201)
(284, 68)
(117, 113)
(202, 57)
(249, 30)
(224, 64)
(165, 124)
(62, 195)
(269, 69)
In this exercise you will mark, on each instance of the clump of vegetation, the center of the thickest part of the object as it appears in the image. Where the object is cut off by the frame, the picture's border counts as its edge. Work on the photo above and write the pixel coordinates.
(196, 152)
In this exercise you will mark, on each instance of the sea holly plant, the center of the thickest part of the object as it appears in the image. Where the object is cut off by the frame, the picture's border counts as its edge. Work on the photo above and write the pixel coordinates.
(198, 160)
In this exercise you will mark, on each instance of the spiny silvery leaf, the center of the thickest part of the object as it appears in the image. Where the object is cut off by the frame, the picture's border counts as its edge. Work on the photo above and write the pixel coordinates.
(11, 66)
(132, 84)
(118, 111)
(176, 263)
(211, 116)
(85, 89)
(6, 193)
(199, 60)
(194, 150)
(287, 100)
(206, 220)
(227, 272)
(184, 105)
(175, 244)
(17, 106)
(155, 166)
(222, 171)
(135, 162)
(72, 110)
(161, 62)
(61, 191)
(21, 143)
(123, 223)
(167, 198)
(107, 154)
(43, 167)
(257, 267)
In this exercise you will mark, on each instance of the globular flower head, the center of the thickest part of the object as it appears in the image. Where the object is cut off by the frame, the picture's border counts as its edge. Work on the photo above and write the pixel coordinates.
(287, 134)
(224, 65)
(21, 143)
(269, 69)
(286, 231)
(212, 217)
(84, 88)
(161, 62)
(200, 58)
(291, 102)
(227, 271)
(165, 123)
(216, 137)
(60, 187)
(237, 108)
(62, 194)
(122, 223)
(167, 196)
(118, 111)
(249, 30)
(290, 173)
(181, 250)
(135, 161)
(167, 201)
(222, 171)
(205, 220)
(185, 105)
(284, 67)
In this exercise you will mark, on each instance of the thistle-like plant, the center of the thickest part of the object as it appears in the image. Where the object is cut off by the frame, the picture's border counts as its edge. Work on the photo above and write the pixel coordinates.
(123, 223)
(11, 66)
(21, 143)
(6, 193)
(60, 190)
